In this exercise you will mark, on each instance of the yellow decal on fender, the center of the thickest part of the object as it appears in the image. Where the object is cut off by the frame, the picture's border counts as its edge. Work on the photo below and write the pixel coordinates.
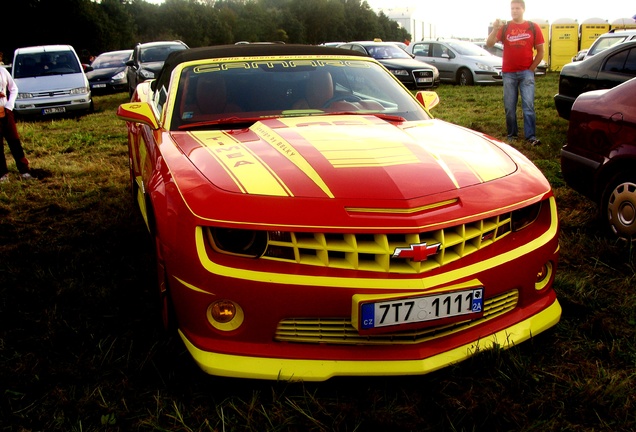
(248, 171)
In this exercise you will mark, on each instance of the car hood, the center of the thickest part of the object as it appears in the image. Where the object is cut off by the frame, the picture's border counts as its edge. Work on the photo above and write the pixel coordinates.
(345, 156)
(493, 60)
(104, 72)
(51, 83)
(404, 63)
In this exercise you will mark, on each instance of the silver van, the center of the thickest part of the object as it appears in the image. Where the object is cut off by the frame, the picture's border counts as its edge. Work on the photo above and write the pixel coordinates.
(50, 81)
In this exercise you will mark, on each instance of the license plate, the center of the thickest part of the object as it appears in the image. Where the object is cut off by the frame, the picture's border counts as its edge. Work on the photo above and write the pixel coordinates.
(55, 110)
(99, 85)
(413, 310)
(424, 80)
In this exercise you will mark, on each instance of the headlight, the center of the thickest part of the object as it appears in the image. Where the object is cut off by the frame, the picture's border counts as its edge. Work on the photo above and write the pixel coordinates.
(241, 242)
(118, 76)
(80, 90)
(399, 72)
(523, 217)
(146, 74)
(485, 67)
(24, 95)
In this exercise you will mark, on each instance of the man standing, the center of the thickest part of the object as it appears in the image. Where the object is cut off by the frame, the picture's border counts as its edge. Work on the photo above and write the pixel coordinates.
(520, 38)
(8, 129)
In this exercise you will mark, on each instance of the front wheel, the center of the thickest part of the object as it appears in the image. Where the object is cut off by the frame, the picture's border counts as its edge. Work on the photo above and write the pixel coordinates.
(618, 207)
(464, 77)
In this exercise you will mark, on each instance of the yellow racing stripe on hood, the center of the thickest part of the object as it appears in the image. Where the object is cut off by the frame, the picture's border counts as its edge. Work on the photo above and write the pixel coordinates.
(250, 174)
(279, 143)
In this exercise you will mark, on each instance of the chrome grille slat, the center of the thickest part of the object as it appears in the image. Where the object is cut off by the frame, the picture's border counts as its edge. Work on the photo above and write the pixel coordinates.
(340, 330)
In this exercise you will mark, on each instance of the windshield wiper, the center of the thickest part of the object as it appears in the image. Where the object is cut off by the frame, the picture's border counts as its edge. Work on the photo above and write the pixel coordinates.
(221, 121)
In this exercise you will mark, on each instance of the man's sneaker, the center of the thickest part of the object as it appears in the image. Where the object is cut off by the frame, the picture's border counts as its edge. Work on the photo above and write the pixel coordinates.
(26, 176)
(4, 178)
(534, 142)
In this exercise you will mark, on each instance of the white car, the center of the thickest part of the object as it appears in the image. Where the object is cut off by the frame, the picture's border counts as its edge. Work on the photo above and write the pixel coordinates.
(50, 81)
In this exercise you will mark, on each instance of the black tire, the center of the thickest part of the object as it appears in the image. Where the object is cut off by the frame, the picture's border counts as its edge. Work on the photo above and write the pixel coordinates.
(464, 77)
(618, 207)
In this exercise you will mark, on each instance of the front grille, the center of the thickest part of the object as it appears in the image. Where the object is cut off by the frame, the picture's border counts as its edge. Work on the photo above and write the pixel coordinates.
(340, 331)
(423, 73)
(374, 252)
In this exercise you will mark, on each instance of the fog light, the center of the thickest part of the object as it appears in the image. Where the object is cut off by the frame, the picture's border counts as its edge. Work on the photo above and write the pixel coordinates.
(543, 276)
(225, 315)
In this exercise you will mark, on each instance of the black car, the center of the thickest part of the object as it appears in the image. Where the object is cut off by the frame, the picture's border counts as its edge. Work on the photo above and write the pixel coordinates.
(604, 70)
(147, 60)
(599, 159)
(414, 74)
(109, 72)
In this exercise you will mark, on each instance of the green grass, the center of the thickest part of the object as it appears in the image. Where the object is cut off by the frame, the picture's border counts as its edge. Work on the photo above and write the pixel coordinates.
(81, 347)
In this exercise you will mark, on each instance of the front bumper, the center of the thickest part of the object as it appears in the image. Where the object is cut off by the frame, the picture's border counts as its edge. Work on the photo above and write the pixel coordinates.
(319, 370)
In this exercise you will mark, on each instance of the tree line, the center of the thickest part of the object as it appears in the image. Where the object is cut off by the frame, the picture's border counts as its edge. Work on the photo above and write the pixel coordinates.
(107, 25)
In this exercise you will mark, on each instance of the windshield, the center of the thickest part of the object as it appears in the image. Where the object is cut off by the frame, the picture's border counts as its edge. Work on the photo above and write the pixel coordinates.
(468, 49)
(604, 43)
(237, 92)
(158, 53)
(45, 63)
(384, 52)
(109, 60)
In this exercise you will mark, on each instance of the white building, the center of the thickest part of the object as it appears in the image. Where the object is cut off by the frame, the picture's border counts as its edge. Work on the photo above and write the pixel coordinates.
(413, 21)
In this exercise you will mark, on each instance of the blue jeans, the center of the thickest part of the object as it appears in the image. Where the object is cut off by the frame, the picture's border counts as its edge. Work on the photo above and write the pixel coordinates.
(515, 83)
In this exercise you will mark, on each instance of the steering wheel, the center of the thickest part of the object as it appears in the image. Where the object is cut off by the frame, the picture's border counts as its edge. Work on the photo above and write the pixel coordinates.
(342, 97)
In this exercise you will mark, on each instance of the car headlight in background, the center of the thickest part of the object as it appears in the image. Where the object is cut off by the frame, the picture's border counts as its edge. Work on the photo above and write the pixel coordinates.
(399, 72)
(146, 74)
(485, 67)
(80, 90)
(119, 76)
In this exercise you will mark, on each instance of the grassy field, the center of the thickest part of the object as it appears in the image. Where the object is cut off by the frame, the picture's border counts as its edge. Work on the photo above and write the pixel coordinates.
(81, 347)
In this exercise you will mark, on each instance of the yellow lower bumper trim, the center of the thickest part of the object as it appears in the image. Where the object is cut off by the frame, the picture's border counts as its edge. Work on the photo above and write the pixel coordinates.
(320, 370)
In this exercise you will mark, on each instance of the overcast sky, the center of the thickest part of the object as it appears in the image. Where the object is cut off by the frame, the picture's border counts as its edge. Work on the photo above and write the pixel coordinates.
(470, 18)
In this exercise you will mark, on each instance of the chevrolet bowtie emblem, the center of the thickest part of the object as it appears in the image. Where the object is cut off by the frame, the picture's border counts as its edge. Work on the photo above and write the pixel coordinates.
(417, 252)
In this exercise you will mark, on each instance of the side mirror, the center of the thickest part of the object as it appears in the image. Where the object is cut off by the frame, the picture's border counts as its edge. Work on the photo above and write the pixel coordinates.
(138, 112)
(428, 99)
(130, 63)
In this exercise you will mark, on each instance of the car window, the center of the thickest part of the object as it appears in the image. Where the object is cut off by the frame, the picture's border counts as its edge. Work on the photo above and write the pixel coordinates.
(421, 50)
(215, 92)
(603, 43)
(157, 53)
(359, 49)
(439, 50)
(384, 52)
(622, 62)
(45, 63)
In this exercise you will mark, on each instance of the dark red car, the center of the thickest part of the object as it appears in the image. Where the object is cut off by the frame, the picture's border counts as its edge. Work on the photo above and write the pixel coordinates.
(599, 159)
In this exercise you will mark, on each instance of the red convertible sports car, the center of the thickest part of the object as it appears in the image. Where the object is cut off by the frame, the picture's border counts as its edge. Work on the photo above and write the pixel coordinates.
(312, 219)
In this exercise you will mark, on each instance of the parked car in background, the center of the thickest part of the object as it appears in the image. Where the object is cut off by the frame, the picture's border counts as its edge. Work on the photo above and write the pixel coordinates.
(605, 70)
(599, 159)
(311, 219)
(609, 39)
(109, 72)
(497, 50)
(459, 62)
(412, 73)
(147, 59)
(50, 81)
